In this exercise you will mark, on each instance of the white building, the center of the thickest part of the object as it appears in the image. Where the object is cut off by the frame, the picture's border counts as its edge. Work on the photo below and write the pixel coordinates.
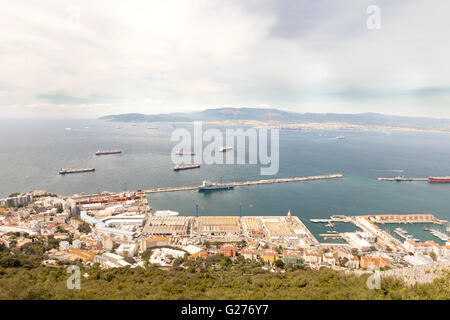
(355, 241)
(442, 252)
(76, 244)
(127, 250)
(64, 246)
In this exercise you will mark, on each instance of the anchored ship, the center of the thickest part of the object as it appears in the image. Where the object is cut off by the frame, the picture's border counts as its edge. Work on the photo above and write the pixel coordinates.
(185, 167)
(81, 170)
(224, 149)
(103, 152)
(439, 179)
(181, 153)
(208, 185)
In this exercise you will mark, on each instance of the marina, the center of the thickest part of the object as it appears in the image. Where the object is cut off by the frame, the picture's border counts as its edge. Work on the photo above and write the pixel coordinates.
(438, 234)
(402, 233)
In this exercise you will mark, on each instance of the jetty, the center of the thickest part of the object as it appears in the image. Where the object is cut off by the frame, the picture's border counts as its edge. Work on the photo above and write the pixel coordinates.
(438, 234)
(249, 183)
(330, 235)
(400, 179)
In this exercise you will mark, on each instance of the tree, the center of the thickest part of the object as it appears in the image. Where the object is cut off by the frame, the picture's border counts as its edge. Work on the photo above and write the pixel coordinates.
(129, 259)
(433, 255)
(15, 194)
(344, 262)
(60, 229)
(59, 208)
(84, 227)
(279, 264)
(146, 254)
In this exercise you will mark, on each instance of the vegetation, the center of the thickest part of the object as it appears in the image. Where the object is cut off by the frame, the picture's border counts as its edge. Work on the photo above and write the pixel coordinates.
(218, 277)
(84, 227)
(15, 194)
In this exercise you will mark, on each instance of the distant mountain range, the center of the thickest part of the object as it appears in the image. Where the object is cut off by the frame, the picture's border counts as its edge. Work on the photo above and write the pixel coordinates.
(267, 114)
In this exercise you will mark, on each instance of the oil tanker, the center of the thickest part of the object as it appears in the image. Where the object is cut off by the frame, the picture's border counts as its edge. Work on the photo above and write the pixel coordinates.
(68, 170)
(100, 153)
(185, 167)
(439, 179)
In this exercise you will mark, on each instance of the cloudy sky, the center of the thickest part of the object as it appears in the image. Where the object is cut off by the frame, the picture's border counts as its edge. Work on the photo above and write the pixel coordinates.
(90, 58)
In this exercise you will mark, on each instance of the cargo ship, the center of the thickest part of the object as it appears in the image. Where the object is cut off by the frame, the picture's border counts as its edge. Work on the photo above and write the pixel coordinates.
(439, 179)
(224, 149)
(181, 153)
(185, 167)
(209, 186)
(68, 170)
(100, 153)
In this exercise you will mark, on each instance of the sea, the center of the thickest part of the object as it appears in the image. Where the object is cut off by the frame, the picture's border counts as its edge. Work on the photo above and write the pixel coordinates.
(33, 151)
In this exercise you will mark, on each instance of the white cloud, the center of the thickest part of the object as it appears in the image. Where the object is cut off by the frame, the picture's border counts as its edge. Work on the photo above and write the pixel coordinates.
(153, 56)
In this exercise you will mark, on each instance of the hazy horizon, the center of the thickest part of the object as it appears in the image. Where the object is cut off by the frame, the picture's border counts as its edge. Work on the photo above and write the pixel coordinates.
(97, 117)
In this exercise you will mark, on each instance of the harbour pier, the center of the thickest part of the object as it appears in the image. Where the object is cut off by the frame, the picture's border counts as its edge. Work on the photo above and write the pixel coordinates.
(118, 196)
(249, 183)
(400, 179)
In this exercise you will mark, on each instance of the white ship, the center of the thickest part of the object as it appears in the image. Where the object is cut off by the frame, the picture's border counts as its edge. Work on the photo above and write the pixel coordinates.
(165, 213)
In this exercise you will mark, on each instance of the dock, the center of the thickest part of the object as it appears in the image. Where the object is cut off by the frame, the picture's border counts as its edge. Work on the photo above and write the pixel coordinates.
(320, 220)
(249, 183)
(330, 235)
(438, 234)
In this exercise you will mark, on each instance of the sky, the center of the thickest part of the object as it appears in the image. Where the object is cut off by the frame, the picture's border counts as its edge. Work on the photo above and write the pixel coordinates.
(92, 58)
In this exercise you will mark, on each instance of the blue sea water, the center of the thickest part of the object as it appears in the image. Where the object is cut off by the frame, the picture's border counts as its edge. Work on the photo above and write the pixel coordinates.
(32, 153)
